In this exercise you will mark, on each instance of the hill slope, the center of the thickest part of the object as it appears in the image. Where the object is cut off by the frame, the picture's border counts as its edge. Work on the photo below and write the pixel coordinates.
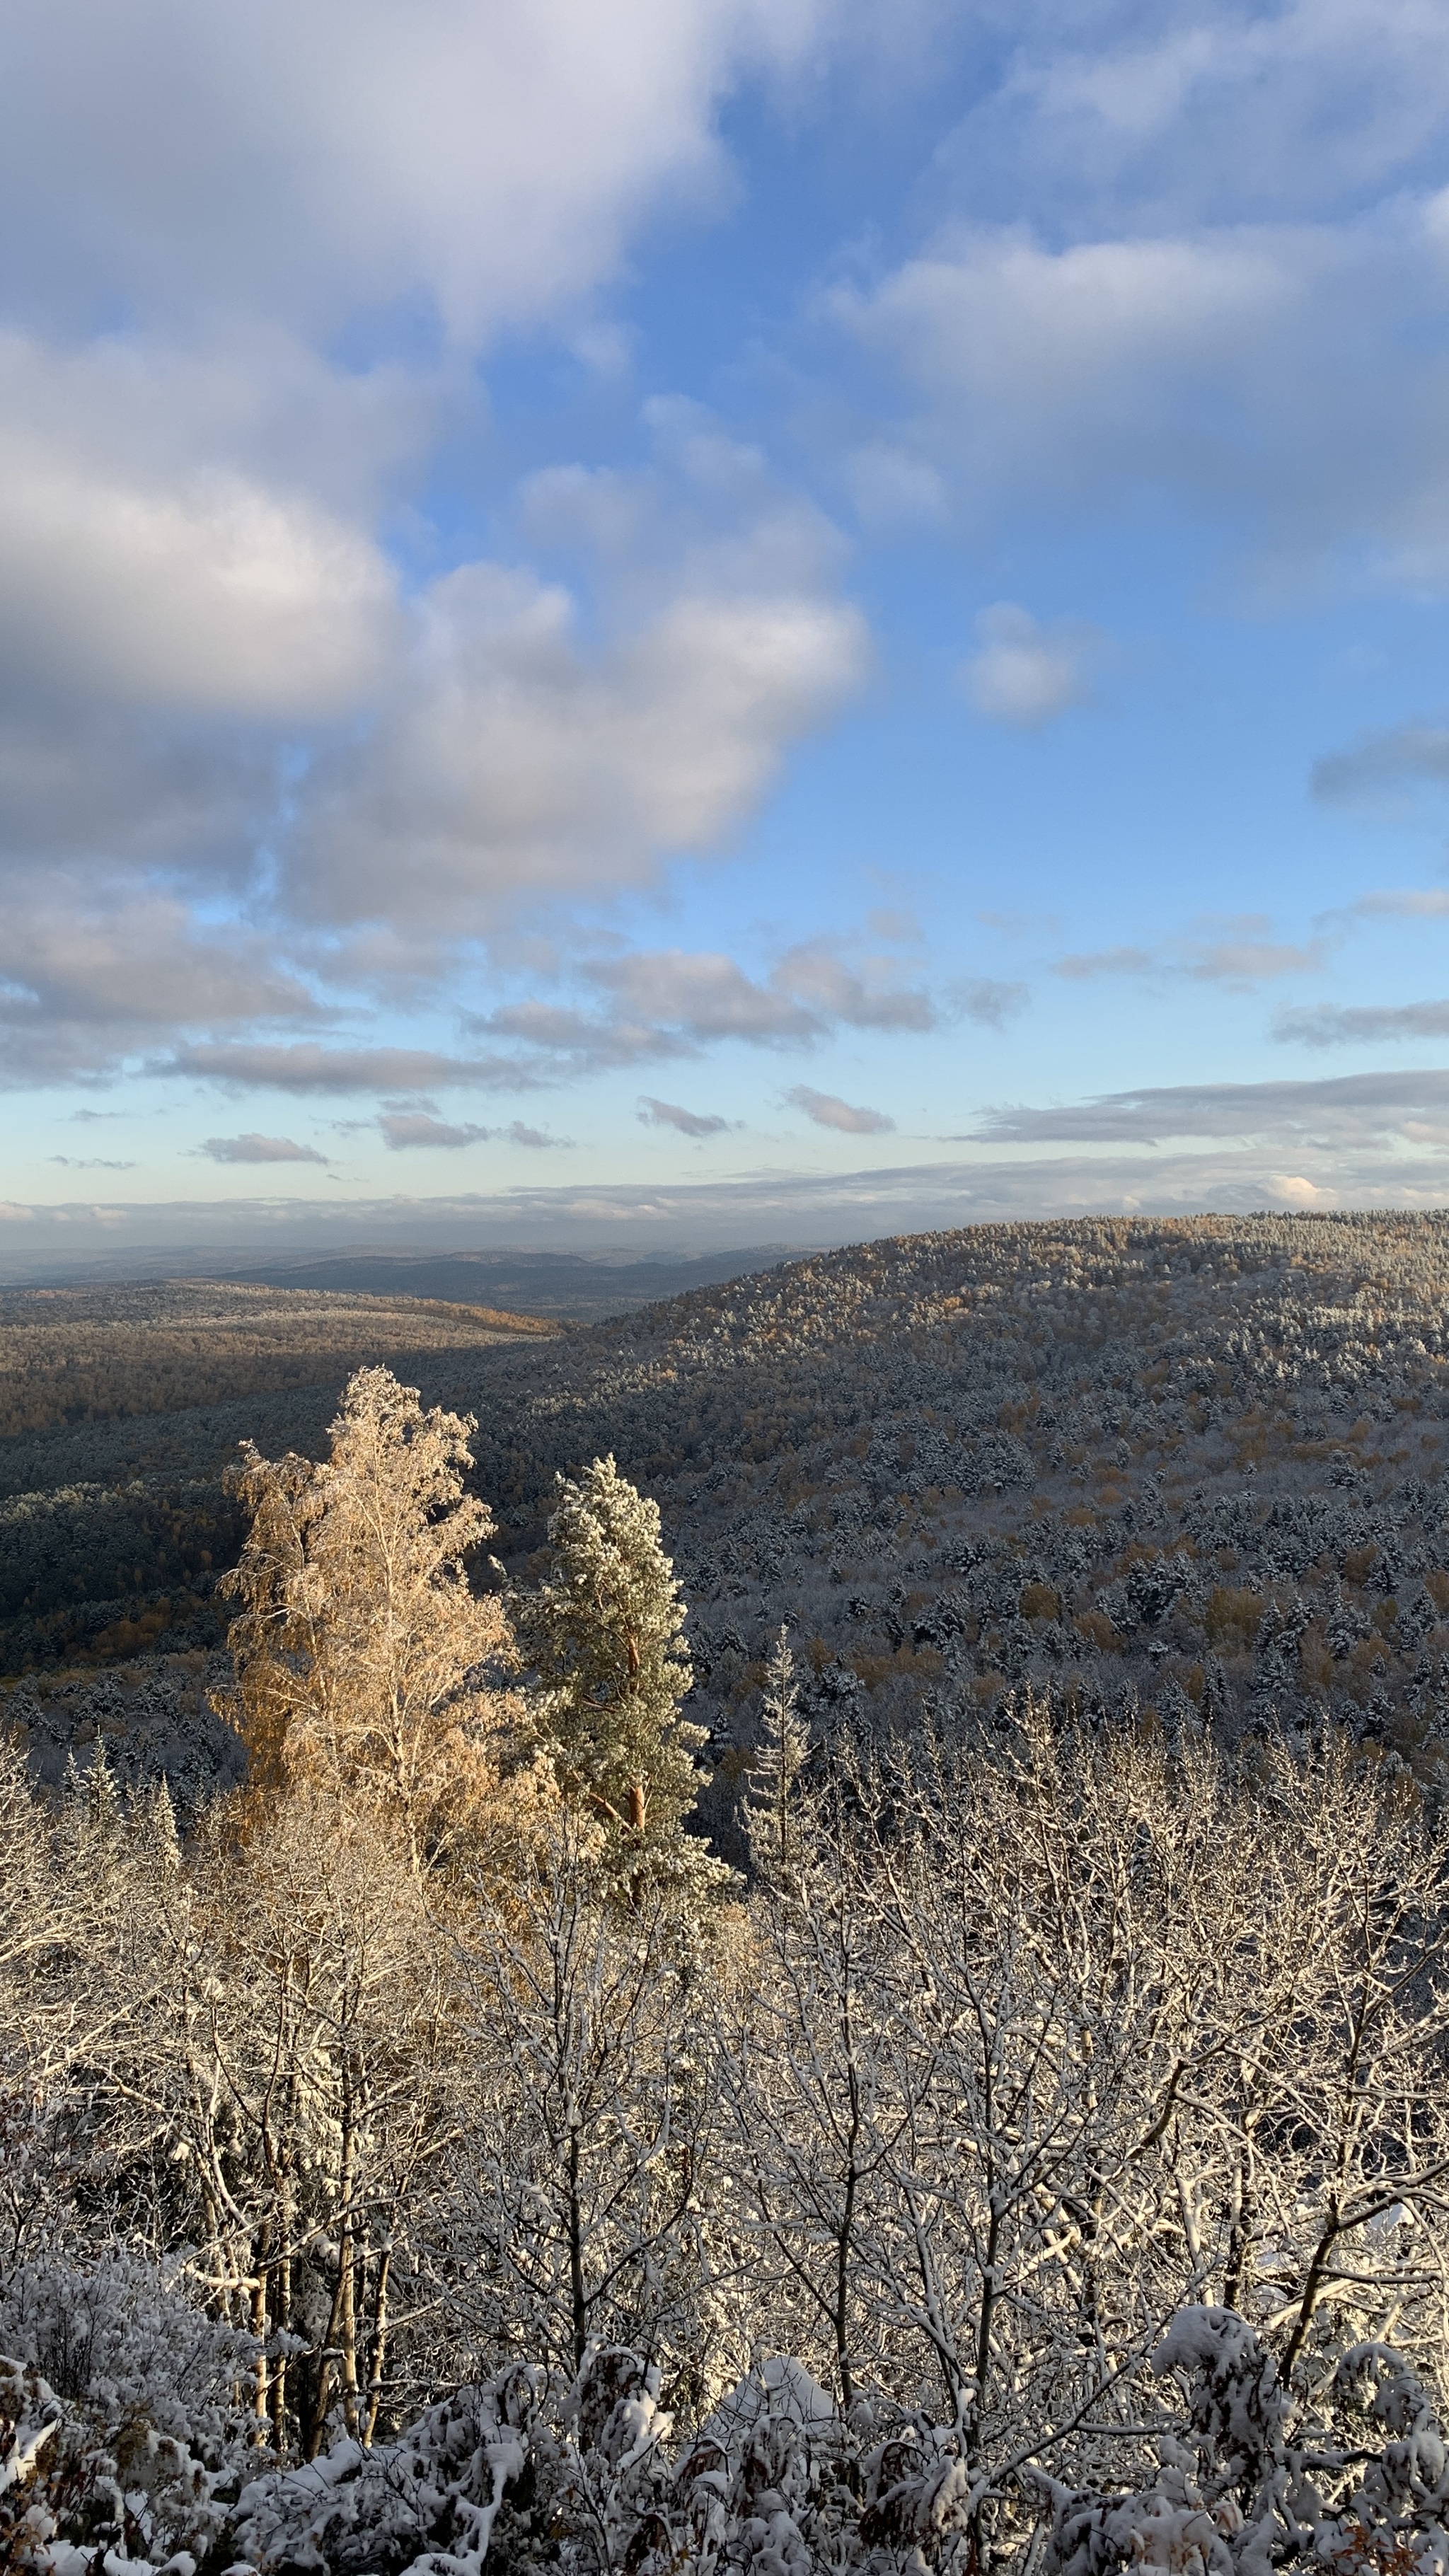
(1196, 1463)
(92, 1354)
(121, 1408)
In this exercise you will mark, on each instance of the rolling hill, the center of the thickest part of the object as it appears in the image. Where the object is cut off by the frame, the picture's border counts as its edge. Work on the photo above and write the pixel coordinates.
(1194, 1467)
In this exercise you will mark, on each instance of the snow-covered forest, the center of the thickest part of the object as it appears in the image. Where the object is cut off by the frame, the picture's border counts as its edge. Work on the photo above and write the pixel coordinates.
(1190, 1465)
(1033, 2154)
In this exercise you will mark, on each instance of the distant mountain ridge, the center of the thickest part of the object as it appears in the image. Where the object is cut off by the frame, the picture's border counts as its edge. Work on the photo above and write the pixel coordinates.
(568, 1286)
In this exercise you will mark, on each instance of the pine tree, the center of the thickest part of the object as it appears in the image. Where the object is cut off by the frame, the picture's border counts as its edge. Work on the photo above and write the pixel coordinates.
(603, 1634)
(771, 1809)
(157, 1837)
(92, 1809)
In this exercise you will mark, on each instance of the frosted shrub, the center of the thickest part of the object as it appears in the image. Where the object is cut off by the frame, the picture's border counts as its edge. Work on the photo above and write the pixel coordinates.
(1254, 2475)
(123, 2414)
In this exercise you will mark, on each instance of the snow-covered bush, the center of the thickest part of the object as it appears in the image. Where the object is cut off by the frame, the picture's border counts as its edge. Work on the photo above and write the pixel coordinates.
(425, 2502)
(1349, 2472)
(123, 2418)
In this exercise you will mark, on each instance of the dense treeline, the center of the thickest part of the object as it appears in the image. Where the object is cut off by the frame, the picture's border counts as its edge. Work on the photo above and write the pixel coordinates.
(1040, 2160)
(88, 1354)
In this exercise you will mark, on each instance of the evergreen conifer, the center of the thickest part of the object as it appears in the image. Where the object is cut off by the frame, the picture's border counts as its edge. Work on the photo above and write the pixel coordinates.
(603, 1635)
(771, 1806)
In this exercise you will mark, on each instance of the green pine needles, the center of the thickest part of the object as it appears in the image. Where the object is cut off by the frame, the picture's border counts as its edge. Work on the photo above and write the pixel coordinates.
(604, 1635)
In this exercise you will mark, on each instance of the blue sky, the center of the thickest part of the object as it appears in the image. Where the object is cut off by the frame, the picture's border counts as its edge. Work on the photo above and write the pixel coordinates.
(719, 623)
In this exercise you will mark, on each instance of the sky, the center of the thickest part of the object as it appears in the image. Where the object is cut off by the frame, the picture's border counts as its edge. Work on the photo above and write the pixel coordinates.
(719, 621)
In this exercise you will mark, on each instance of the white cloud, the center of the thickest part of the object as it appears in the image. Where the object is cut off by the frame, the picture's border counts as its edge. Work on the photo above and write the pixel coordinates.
(893, 488)
(1068, 366)
(137, 961)
(1122, 960)
(1238, 957)
(140, 575)
(305, 1066)
(1364, 1024)
(1246, 961)
(490, 156)
(411, 1129)
(513, 764)
(1353, 1111)
(987, 1000)
(259, 1149)
(646, 1005)
(1203, 107)
(493, 760)
(88, 976)
(403, 1130)
(536, 1139)
(1284, 379)
(686, 1122)
(110, 794)
(1025, 673)
(825, 1109)
(816, 975)
(1412, 903)
(663, 1003)
(1386, 768)
(207, 669)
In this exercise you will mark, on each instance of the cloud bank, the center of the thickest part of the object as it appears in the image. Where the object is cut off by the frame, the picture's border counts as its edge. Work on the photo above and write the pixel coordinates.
(268, 745)
(350, 754)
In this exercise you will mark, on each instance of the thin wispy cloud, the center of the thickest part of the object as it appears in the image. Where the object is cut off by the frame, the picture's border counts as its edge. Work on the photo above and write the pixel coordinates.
(1384, 768)
(1025, 673)
(685, 1122)
(1107, 961)
(1404, 903)
(259, 1149)
(1357, 1109)
(987, 999)
(823, 1109)
(1240, 958)
(406, 1131)
(1364, 1024)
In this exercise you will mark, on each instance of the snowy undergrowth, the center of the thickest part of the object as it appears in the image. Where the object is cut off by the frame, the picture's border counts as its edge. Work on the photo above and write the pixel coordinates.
(1348, 2471)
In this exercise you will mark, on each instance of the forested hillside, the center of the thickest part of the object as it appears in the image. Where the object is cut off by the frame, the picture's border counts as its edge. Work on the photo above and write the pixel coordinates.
(1194, 1465)
(429, 2159)
(122, 1407)
(1190, 1465)
(98, 1354)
